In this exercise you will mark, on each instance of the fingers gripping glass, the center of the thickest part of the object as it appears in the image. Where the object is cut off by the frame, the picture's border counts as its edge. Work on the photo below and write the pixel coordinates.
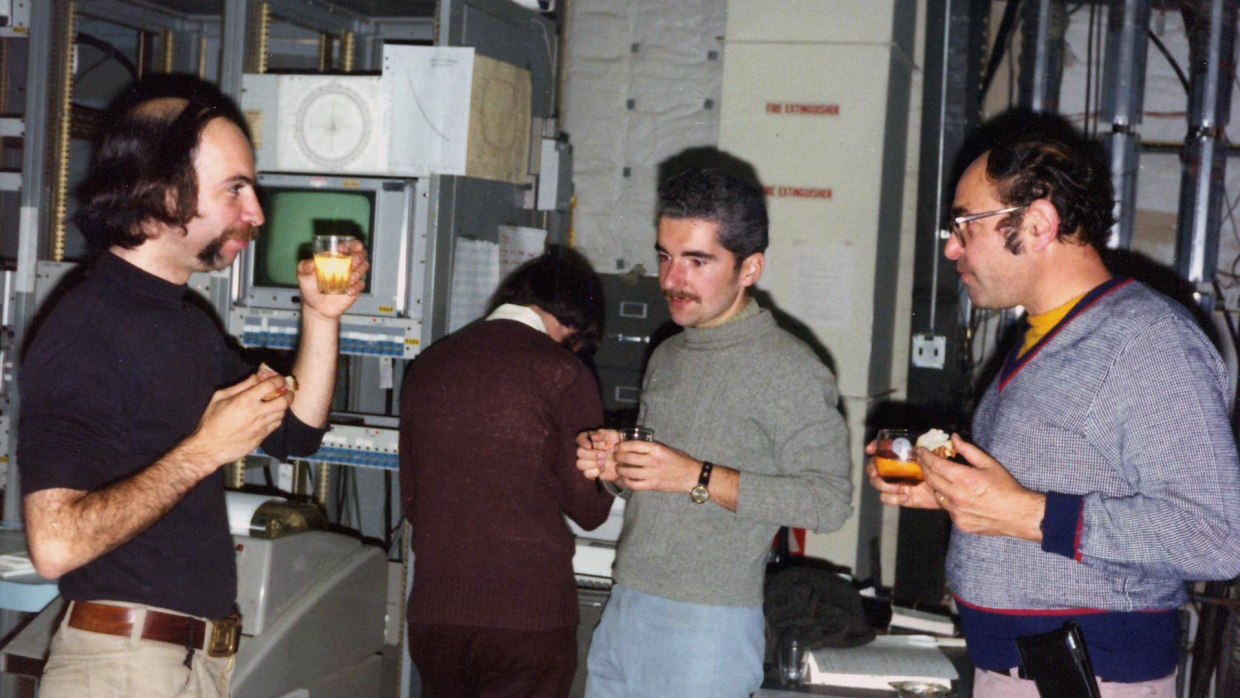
(957, 224)
(628, 434)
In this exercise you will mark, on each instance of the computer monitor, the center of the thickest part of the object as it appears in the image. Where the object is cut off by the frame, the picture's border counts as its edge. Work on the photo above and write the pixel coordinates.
(297, 207)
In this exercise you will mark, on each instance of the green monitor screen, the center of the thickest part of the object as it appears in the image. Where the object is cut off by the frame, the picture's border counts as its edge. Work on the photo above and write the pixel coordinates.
(294, 217)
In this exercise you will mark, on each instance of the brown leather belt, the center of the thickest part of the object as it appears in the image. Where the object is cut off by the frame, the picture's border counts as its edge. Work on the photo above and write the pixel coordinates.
(183, 631)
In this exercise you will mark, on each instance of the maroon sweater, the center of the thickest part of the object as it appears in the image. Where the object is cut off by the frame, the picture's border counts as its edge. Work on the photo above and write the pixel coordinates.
(489, 417)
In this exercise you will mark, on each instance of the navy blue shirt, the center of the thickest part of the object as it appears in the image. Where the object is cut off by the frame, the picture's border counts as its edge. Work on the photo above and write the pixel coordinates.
(121, 371)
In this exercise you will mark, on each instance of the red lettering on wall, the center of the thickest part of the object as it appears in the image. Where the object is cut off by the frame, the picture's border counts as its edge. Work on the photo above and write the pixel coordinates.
(801, 108)
(786, 192)
(802, 193)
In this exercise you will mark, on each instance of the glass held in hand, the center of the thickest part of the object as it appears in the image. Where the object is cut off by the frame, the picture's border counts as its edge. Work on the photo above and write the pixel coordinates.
(333, 262)
(629, 434)
(895, 457)
(636, 434)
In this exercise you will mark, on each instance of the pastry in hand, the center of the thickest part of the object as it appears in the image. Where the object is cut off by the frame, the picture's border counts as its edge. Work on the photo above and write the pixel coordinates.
(290, 381)
(937, 441)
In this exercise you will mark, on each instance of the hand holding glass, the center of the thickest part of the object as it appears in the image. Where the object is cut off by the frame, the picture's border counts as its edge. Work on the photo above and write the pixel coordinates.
(895, 457)
(332, 262)
(629, 434)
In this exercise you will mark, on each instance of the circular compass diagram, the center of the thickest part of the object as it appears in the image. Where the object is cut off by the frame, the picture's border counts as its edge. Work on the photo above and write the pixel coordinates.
(333, 125)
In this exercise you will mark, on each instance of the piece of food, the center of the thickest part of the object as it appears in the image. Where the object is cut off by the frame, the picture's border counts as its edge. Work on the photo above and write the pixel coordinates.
(290, 381)
(938, 441)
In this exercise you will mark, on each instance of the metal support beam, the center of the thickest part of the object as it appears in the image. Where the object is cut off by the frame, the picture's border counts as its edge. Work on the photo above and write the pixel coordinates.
(325, 52)
(348, 52)
(257, 33)
(232, 47)
(184, 48)
(320, 16)
(59, 114)
(1041, 56)
(138, 14)
(200, 67)
(405, 29)
(1123, 93)
(1212, 40)
(955, 48)
(33, 205)
(165, 60)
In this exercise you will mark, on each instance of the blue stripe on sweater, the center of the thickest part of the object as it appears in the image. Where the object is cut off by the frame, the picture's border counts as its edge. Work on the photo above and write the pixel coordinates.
(1061, 524)
(1123, 647)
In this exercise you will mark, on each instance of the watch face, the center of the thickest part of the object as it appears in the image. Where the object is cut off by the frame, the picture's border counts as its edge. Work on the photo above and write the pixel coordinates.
(699, 494)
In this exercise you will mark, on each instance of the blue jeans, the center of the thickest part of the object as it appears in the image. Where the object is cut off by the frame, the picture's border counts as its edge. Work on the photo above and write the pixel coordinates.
(646, 646)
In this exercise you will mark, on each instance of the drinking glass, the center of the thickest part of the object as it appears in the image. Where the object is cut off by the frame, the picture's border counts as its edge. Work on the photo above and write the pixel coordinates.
(629, 434)
(332, 262)
(895, 457)
(793, 662)
(636, 434)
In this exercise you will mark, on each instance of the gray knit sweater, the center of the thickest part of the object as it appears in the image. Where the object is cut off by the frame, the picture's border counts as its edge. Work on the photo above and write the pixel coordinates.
(749, 396)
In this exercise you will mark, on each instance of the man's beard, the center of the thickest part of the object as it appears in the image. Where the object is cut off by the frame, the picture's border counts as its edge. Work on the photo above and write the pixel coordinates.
(209, 255)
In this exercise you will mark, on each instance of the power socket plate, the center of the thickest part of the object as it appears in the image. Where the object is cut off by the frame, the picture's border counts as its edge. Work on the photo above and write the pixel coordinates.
(929, 351)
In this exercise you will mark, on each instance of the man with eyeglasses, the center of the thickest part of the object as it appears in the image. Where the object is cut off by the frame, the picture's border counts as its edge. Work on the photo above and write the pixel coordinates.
(1104, 473)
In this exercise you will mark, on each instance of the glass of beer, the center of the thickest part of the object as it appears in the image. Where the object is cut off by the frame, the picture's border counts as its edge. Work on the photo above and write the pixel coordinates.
(332, 262)
(895, 457)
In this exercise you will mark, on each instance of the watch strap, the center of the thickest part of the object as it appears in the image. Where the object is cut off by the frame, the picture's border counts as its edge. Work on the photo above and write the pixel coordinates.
(704, 477)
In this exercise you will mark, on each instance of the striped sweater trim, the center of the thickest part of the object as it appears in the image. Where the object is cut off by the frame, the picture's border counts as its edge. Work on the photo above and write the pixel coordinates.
(1049, 611)
(1015, 361)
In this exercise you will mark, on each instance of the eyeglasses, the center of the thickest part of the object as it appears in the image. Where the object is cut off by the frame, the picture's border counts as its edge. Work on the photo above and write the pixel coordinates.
(957, 224)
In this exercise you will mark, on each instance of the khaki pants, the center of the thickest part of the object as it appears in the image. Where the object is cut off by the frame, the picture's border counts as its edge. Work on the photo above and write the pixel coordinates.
(93, 665)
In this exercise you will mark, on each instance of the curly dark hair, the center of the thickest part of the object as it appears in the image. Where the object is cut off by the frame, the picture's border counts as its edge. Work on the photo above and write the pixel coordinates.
(713, 195)
(143, 172)
(562, 283)
(1067, 174)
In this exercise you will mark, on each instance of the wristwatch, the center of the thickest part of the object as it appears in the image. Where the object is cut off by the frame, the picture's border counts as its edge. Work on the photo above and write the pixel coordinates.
(699, 494)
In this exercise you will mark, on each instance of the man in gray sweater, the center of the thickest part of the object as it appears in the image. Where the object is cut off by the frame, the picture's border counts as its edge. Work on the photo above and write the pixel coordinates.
(748, 439)
(1104, 473)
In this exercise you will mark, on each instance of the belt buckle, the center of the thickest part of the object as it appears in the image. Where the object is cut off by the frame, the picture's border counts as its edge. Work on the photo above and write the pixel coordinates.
(225, 635)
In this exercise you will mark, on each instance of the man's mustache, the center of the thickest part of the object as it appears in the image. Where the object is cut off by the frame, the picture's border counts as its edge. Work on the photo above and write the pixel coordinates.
(678, 296)
(249, 232)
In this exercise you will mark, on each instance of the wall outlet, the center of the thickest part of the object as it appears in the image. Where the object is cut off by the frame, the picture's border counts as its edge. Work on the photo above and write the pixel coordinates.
(929, 351)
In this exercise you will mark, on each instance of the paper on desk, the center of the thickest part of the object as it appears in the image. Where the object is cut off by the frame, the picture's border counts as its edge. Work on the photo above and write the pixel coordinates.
(888, 658)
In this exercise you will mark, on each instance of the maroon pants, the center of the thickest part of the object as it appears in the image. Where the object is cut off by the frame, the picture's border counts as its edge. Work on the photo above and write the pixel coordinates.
(460, 661)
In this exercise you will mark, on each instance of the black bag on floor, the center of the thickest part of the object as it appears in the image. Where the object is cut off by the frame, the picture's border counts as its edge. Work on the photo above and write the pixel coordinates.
(816, 606)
